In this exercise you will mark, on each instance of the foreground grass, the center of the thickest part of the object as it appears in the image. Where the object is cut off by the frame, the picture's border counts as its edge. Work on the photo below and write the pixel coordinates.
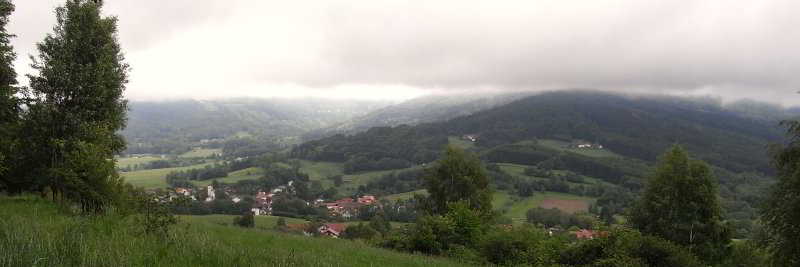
(34, 232)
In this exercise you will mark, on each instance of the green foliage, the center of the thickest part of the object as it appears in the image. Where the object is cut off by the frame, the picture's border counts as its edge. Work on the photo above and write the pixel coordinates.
(520, 246)
(380, 224)
(458, 176)
(153, 214)
(746, 253)
(9, 104)
(623, 247)
(359, 231)
(75, 109)
(245, 220)
(680, 204)
(554, 217)
(781, 212)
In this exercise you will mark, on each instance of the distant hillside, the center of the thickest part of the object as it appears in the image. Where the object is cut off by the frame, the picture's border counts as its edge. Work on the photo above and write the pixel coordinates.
(433, 108)
(170, 127)
(635, 127)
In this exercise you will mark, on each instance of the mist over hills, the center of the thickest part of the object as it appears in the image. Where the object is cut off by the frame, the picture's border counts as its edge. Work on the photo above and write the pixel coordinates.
(166, 127)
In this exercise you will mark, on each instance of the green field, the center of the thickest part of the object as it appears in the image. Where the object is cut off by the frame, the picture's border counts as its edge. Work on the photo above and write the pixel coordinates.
(589, 152)
(242, 134)
(233, 177)
(130, 161)
(156, 178)
(458, 142)
(352, 181)
(406, 195)
(518, 211)
(319, 170)
(201, 153)
(37, 233)
(264, 221)
(519, 170)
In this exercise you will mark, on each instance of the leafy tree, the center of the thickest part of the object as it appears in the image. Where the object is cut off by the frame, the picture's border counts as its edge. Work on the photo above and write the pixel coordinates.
(680, 204)
(458, 176)
(606, 215)
(625, 247)
(359, 231)
(380, 223)
(76, 106)
(9, 104)
(781, 212)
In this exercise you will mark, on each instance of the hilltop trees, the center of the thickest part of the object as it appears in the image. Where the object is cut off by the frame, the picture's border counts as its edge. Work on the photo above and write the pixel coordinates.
(680, 204)
(781, 213)
(458, 176)
(9, 104)
(76, 108)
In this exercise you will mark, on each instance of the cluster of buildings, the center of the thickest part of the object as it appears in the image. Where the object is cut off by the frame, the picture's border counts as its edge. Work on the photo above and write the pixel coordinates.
(193, 194)
(347, 207)
(262, 201)
(585, 145)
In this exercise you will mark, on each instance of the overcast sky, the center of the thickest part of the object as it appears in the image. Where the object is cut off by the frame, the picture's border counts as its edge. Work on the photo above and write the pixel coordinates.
(401, 49)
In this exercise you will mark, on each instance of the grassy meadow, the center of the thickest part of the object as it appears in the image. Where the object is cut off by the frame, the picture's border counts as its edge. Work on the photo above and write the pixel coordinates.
(201, 153)
(131, 161)
(34, 232)
(155, 178)
(233, 177)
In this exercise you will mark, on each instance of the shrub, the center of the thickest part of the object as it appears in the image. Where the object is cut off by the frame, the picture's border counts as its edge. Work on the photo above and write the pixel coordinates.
(629, 247)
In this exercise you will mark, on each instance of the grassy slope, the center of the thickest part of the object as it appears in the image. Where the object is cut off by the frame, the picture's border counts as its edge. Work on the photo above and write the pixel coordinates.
(589, 152)
(319, 170)
(406, 195)
(233, 177)
(201, 152)
(34, 232)
(457, 141)
(519, 209)
(154, 178)
(519, 170)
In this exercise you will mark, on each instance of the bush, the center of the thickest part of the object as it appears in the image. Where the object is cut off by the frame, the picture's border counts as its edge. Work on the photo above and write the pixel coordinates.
(515, 246)
(624, 247)
(246, 220)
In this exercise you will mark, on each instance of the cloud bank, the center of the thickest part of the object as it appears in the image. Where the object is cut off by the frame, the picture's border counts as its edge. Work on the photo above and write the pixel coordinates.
(401, 49)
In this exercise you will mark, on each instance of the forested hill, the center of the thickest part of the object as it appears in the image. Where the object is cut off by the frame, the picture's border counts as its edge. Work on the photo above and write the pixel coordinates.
(635, 127)
(170, 127)
(433, 108)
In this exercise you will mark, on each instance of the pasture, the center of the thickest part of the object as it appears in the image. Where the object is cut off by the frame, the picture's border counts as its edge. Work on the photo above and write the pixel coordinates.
(201, 153)
(131, 161)
(155, 178)
(251, 173)
(406, 195)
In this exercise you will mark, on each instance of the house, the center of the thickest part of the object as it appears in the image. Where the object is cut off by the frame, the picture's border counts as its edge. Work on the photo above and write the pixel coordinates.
(367, 200)
(236, 199)
(183, 191)
(470, 137)
(331, 229)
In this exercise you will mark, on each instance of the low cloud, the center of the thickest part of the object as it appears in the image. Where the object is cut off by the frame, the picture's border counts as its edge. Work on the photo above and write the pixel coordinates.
(731, 49)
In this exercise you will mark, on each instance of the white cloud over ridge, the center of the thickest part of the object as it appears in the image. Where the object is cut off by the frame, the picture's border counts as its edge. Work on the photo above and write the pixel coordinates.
(401, 49)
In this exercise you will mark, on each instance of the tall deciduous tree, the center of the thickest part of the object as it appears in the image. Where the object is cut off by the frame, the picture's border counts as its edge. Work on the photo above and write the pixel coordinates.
(458, 176)
(781, 212)
(9, 104)
(78, 106)
(680, 204)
